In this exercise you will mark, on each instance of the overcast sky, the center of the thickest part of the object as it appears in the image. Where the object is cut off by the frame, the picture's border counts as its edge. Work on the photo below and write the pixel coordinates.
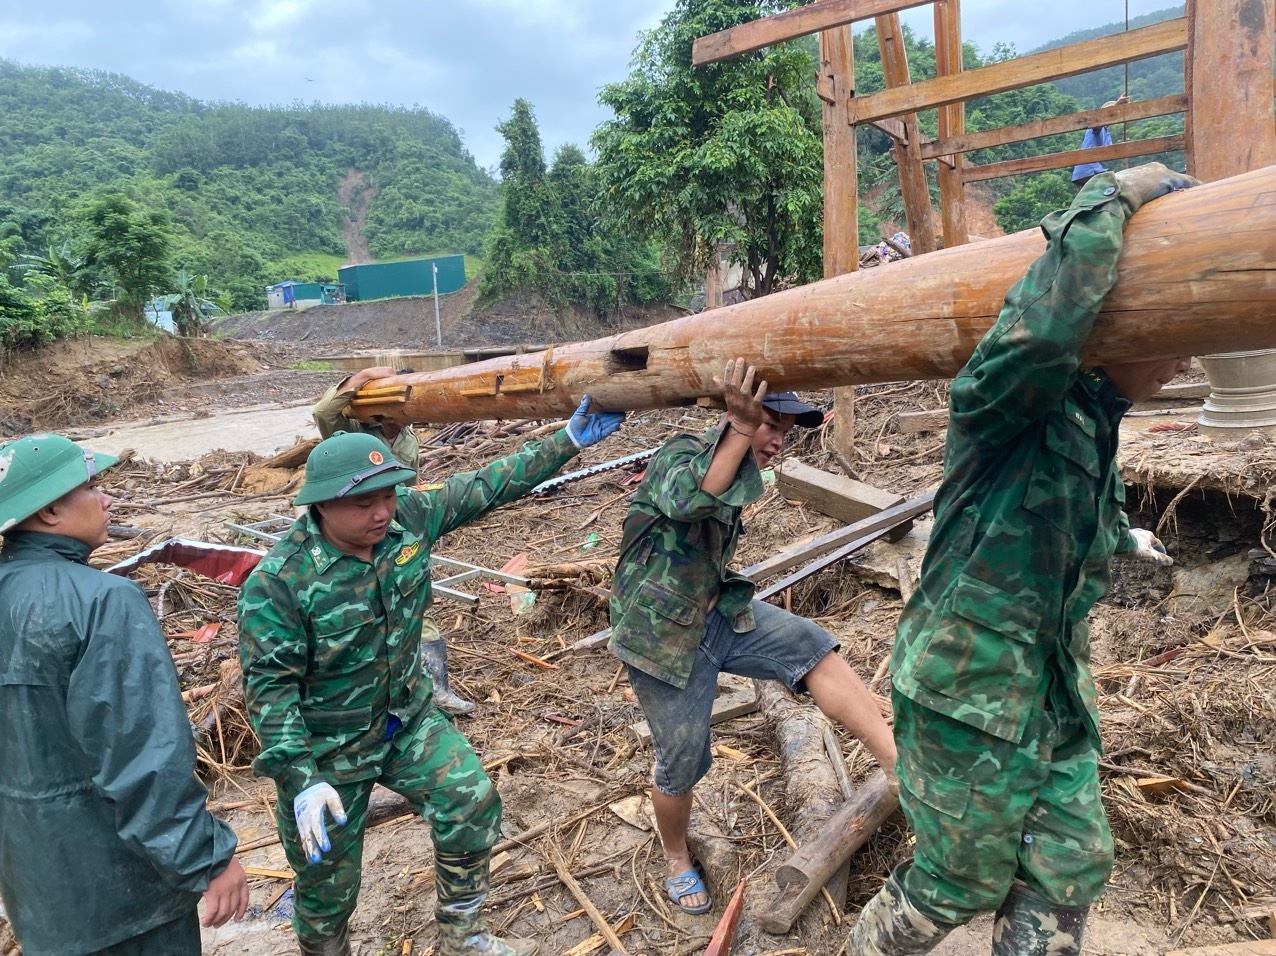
(467, 60)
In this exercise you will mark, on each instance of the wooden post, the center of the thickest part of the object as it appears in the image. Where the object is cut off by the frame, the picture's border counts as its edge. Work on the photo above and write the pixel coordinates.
(952, 122)
(836, 85)
(1229, 84)
(1229, 75)
(713, 282)
(908, 156)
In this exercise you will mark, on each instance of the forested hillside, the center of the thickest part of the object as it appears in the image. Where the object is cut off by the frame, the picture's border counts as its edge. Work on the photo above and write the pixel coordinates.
(250, 194)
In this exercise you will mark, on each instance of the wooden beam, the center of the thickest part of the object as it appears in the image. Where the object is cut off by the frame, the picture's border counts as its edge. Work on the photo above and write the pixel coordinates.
(914, 423)
(1125, 113)
(1197, 275)
(908, 154)
(1229, 78)
(812, 18)
(836, 496)
(1097, 154)
(1153, 40)
(952, 122)
(841, 192)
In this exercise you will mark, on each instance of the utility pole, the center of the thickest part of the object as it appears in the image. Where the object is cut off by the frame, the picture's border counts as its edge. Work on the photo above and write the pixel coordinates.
(438, 325)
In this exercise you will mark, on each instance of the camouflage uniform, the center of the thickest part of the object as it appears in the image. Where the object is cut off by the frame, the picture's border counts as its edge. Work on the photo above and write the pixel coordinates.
(335, 688)
(995, 706)
(330, 418)
(666, 625)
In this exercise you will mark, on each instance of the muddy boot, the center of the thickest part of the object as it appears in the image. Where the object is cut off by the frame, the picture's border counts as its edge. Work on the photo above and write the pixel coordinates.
(889, 925)
(338, 945)
(434, 660)
(461, 881)
(1030, 925)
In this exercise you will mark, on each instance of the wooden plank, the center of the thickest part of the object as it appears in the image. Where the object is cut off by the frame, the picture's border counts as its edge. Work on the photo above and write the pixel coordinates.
(952, 123)
(736, 697)
(812, 18)
(837, 496)
(1182, 391)
(895, 130)
(1097, 154)
(1165, 37)
(1070, 123)
(1229, 78)
(1248, 947)
(908, 154)
(914, 423)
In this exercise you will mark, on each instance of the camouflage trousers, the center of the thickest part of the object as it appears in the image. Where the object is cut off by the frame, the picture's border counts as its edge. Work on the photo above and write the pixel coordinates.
(986, 811)
(431, 764)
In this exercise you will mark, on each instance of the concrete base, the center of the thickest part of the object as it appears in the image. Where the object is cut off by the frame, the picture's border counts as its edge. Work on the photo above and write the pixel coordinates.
(1243, 394)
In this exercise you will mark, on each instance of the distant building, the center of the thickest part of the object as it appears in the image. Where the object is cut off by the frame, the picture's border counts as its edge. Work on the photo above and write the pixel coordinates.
(291, 294)
(384, 280)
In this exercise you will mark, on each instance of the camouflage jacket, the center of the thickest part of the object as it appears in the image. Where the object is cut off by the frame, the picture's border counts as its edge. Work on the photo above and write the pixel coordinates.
(677, 543)
(330, 644)
(1030, 510)
(330, 418)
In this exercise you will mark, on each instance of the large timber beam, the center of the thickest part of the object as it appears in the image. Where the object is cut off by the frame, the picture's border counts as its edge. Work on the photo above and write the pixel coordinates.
(1153, 40)
(1198, 275)
(908, 154)
(1069, 123)
(812, 18)
(952, 122)
(1096, 154)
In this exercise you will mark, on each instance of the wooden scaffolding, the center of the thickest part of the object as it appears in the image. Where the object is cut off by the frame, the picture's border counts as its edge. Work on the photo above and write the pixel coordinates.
(1226, 104)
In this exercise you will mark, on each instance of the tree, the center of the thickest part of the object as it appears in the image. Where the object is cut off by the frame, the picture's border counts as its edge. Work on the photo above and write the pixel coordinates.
(132, 244)
(190, 301)
(727, 154)
(1029, 203)
(71, 270)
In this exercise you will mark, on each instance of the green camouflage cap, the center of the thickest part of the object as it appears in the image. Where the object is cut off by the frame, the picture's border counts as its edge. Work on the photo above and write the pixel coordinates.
(350, 463)
(38, 470)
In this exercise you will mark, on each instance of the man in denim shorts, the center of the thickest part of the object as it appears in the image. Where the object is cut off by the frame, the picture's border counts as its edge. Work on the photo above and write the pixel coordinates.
(680, 616)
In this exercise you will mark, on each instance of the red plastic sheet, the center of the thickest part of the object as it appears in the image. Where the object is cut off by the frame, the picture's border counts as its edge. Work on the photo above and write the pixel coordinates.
(221, 562)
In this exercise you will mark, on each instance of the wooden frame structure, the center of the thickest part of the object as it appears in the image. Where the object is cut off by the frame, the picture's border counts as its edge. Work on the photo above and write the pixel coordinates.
(1228, 65)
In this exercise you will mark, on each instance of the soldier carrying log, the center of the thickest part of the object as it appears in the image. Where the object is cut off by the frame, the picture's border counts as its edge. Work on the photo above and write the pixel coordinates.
(995, 707)
(680, 616)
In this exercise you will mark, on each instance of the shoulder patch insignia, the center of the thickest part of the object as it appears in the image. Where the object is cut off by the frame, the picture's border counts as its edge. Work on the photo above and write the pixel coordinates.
(407, 553)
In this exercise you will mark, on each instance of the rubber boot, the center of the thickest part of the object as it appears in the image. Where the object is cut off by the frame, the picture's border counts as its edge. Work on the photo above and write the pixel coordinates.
(338, 945)
(1028, 924)
(889, 925)
(461, 882)
(434, 660)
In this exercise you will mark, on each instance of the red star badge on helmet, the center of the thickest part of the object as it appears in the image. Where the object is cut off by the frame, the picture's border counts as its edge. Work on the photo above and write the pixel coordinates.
(375, 457)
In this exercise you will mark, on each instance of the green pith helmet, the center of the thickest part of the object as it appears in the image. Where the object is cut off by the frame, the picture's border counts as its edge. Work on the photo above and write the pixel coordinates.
(38, 470)
(350, 463)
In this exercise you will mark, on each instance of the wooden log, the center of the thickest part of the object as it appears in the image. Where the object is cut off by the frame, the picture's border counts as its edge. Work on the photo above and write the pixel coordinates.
(837, 496)
(810, 782)
(1198, 275)
(293, 457)
(801, 877)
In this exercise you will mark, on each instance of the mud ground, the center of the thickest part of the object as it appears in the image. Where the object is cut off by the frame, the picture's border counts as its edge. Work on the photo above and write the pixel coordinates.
(1194, 867)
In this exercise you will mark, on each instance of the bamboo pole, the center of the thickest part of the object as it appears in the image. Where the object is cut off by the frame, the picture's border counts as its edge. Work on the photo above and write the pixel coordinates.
(1198, 275)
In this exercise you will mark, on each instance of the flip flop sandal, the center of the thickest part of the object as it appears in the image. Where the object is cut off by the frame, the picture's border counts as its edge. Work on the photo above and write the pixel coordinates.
(688, 884)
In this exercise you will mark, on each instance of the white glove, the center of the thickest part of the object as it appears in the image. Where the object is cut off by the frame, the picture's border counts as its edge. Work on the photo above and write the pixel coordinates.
(1149, 548)
(308, 808)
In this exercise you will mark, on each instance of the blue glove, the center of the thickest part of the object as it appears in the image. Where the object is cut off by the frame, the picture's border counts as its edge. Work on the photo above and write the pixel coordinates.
(308, 809)
(585, 429)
